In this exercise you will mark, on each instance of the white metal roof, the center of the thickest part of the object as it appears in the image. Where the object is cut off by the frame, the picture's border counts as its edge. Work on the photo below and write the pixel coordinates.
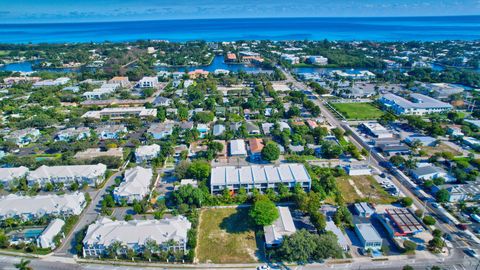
(137, 182)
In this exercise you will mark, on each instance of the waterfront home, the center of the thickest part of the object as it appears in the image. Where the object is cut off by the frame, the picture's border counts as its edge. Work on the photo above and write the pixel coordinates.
(198, 73)
(23, 137)
(169, 233)
(161, 130)
(146, 153)
(135, 186)
(258, 177)
(281, 227)
(29, 208)
(111, 132)
(92, 175)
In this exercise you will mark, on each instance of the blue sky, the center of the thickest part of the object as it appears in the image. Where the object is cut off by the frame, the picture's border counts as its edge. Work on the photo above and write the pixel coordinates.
(35, 11)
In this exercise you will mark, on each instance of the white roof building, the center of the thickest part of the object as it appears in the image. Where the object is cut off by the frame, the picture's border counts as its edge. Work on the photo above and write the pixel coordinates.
(135, 234)
(420, 105)
(90, 174)
(283, 226)
(377, 130)
(8, 175)
(148, 82)
(259, 177)
(237, 148)
(342, 240)
(136, 185)
(26, 207)
(146, 153)
(121, 112)
(46, 239)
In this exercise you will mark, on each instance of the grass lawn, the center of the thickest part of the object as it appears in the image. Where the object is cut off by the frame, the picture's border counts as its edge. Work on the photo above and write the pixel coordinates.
(367, 186)
(358, 111)
(441, 147)
(226, 235)
(371, 189)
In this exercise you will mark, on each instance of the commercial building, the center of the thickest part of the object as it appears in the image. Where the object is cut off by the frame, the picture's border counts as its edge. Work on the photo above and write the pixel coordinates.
(135, 186)
(376, 130)
(170, 234)
(421, 139)
(359, 169)
(428, 172)
(465, 192)
(363, 209)
(401, 222)
(368, 236)
(419, 105)
(121, 112)
(317, 60)
(146, 153)
(238, 148)
(280, 228)
(46, 239)
(69, 174)
(259, 177)
(27, 208)
(9, 175)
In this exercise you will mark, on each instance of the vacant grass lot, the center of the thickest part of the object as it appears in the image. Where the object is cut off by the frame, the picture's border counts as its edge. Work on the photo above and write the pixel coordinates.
(367, 187)
(441, 147)
(226, 235)
(358, 111)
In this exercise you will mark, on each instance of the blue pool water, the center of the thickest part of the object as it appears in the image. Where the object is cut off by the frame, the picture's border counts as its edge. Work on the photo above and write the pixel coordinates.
(33, 233)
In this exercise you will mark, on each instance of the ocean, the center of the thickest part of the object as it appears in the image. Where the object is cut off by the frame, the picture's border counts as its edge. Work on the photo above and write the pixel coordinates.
(377, 29)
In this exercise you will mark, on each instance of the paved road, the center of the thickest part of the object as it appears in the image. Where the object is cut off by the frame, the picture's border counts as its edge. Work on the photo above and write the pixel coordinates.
(398, 178)
(88, 216)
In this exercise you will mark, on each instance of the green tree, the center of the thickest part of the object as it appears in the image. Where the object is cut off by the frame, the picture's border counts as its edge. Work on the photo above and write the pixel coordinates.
(409, 246)
(23, 265)
(429, 220)
(270, 152)
(406, 201)
(442, 195)
(263, 211)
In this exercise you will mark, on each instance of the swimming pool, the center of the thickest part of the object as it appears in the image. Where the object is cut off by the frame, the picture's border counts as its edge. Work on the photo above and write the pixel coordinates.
(32, 233)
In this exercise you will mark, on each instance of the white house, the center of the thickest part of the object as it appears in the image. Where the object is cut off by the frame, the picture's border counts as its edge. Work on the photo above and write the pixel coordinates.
(110, 132)
(238, 148)
(146, 153)
(135, 234)
(148, 82)
(280, 228)
(24, 136)
(136, 185)
(70, 134)
(160, 130)
(46, 239)
(26, 207)
(9, 175)
(89, 174)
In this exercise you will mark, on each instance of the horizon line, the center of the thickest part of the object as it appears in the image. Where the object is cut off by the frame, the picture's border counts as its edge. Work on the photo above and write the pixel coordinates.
(242, 18)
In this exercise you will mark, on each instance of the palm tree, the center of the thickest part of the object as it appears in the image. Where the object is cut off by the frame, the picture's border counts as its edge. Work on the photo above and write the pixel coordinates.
(23, 265)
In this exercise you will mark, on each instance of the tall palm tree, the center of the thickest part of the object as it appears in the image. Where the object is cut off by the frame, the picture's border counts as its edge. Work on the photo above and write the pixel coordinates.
(23, 265)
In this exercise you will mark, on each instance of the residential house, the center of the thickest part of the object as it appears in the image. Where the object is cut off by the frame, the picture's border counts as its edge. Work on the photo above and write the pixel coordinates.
(255, 148)
(9, 176)
(135, 187)
(160, 131)
(237, 148)
(73, 134)
(148, 82)
(203, 129)
(111, 132)
(146, 153)
(47, 238)
(168, 233)
(92, 175)
(252, 128)
(30, 208)
(218, 130)
(280, 228)
(24, 136)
